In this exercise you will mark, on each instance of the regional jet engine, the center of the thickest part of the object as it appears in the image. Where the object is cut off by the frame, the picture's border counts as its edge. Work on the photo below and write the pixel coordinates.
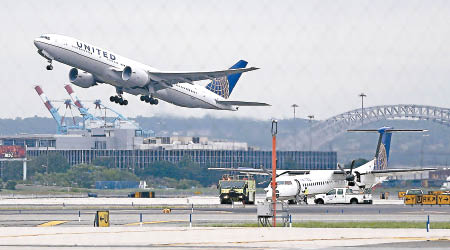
(135, 77)
(81, 79)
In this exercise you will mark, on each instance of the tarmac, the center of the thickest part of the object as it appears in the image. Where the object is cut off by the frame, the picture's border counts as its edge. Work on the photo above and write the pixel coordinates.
(212, 238)
(33, 223)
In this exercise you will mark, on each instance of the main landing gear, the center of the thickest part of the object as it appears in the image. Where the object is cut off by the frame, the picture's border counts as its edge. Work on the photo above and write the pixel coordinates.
(50, 66)
(118, 99)
(149, 99)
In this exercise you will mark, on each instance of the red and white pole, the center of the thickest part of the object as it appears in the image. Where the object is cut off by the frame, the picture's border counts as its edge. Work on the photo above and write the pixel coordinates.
(274, 171)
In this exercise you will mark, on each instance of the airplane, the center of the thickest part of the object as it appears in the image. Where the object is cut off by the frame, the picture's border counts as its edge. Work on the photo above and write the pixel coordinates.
(292, 183)
(93, 65)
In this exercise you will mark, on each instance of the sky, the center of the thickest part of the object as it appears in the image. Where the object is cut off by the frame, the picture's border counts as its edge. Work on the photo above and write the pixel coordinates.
(319, 55)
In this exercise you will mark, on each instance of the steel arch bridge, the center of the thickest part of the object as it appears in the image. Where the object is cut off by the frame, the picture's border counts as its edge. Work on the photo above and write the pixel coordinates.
(325, 131)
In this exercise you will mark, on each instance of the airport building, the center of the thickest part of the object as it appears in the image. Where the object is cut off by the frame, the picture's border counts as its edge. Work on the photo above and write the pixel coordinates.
(131, 149)
(124, 141)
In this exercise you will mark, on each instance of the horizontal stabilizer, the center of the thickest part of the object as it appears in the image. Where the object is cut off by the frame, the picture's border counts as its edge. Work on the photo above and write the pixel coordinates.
(388, 172)
(387, 130)
(239, 103)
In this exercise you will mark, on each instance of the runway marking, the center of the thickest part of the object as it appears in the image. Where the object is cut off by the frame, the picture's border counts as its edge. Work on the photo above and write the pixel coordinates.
(52, 223)
(154, 222)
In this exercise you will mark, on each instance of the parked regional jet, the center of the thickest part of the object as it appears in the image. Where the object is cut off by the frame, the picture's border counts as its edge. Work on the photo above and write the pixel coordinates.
(292, 183)
(93, 65)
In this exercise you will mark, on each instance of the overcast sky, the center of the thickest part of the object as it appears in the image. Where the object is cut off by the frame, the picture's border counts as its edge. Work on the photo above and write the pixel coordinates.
(317, 54)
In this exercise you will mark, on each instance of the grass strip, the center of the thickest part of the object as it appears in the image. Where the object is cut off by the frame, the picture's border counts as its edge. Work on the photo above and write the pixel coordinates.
(351, 224)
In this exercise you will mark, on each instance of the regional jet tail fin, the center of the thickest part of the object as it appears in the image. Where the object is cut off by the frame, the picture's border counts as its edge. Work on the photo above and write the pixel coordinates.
(223, 86)
(384, 143)
(240, 103)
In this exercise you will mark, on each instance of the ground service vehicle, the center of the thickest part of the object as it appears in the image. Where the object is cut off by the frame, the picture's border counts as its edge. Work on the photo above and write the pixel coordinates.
(343, 196)
(241, 188)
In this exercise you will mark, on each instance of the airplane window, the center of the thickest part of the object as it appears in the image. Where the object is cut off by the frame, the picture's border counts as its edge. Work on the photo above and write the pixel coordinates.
(45, 37)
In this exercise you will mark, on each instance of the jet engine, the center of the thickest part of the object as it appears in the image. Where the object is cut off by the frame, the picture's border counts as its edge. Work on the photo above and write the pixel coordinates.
(135, 77)
(81, 79)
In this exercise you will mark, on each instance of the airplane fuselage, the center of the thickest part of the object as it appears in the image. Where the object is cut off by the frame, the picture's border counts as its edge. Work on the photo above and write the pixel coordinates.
(317, 182)
(106, 67)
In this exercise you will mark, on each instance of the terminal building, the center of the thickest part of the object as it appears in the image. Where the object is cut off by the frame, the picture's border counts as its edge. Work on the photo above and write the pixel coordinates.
(131, 149)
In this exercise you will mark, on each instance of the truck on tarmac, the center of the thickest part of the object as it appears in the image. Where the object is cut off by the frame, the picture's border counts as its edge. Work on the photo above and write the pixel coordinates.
(237, 188)
(344, 196)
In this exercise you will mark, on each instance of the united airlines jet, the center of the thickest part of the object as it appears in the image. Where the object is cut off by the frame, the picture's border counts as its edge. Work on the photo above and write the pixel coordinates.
(93, 65)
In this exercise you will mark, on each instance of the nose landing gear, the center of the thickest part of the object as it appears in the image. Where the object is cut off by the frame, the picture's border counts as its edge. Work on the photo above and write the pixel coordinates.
(149, 99)
(50, 66)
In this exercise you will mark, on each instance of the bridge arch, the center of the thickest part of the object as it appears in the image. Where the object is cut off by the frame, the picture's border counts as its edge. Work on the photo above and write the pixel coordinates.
(325, 131)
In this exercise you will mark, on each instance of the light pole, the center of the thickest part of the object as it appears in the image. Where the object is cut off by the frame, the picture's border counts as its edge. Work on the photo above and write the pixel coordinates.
(310, 131)
(295, 125)
(274, 171)
(362, 95)
(294, 106)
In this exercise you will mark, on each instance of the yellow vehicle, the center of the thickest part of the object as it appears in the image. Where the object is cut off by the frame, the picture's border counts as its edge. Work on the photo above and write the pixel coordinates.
(241, 188)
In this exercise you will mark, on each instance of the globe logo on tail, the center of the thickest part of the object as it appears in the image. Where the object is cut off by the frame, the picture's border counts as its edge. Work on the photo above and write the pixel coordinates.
(381, 162)
(220, 86)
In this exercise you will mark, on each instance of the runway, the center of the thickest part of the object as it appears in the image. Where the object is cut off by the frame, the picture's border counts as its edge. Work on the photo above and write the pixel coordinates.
(68, 223)
(212, 238)
(81, 212)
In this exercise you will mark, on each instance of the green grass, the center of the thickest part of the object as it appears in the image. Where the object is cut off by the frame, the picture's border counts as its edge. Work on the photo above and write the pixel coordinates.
(349, 224)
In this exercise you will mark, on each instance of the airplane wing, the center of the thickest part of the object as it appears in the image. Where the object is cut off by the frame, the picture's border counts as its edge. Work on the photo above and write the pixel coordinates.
(173, 77)
(239, 103)
(393, 172)
(256, 171)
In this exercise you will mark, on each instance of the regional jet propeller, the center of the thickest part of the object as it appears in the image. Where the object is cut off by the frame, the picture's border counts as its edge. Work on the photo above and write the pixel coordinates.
(350, 177)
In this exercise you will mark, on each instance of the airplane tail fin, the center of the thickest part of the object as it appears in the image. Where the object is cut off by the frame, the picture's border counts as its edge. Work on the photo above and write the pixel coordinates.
(223, 86)
(384, 144)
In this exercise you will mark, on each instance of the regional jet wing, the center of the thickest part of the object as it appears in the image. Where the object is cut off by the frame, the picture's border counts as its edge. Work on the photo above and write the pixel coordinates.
(253, 171)
(393, 172)
(172, 77)
(239, 103)
(263, 171)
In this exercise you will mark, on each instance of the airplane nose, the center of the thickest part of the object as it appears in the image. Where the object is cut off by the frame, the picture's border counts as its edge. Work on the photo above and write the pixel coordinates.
(37, 43)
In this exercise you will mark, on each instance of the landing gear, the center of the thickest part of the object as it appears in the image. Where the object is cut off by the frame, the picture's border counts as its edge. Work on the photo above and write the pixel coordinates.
(149, 99)
(118, 99)
(50, 66)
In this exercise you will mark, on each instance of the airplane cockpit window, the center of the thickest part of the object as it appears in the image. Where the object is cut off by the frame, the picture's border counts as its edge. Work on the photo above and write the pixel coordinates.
(284, 182)
(46, 37)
